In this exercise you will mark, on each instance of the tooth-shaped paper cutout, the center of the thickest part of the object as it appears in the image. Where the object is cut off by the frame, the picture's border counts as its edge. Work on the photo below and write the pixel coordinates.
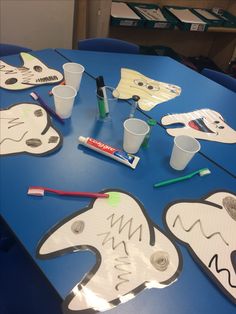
(205, 124)
(27, 128)
(151, 92)
(33, 72)
(208, 228)
(132, 253)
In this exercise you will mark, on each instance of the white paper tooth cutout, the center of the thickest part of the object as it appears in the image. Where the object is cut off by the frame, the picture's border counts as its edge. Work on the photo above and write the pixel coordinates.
(203, 124)
(33, 72)
(132, 253)
(208, 228)
(151, 92)
(27, 128)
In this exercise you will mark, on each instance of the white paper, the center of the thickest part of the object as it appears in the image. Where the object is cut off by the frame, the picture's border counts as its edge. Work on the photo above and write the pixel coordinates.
(205, 124)
(132, 253)
(152, 14)
(121, 10)
(186, 16)
(206, 14)
(208, 228)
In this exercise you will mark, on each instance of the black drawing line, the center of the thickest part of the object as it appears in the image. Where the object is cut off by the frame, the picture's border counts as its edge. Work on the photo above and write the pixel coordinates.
(47, 79)
(112, 239)
(11, 139)
(215, 258)
(124, 272)
(7, 71)
(123, 224)
(12, 121)
(201, 228)
(26, 76)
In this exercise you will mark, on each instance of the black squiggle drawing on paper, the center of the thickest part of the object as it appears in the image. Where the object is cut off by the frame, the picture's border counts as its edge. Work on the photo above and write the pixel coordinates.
(12, 122)
(123, 224)
(13, 139)
(114, 244)
(178, 218)
(123, 262)
(215, 259)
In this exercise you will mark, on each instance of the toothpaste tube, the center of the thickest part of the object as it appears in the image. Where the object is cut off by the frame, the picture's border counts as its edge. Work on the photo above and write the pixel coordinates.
(117, 154)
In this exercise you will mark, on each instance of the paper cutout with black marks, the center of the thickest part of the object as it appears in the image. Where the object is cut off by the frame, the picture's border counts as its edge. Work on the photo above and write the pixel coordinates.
(33, 72)
(27, 128)
(137, 254)
(205, 124)
(208, 228)
(151, 92)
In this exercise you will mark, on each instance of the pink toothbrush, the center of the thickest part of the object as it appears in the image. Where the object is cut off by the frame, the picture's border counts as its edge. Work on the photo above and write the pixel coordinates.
(39, 191)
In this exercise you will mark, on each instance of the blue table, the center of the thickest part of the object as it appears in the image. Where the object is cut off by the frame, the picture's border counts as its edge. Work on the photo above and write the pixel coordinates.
(197, 93)
(77, 168)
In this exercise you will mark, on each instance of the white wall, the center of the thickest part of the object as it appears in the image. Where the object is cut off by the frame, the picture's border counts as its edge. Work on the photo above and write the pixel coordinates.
(37, 24)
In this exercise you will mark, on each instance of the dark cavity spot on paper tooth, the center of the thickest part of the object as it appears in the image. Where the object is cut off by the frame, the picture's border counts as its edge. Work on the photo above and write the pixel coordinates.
(11, 81)
(38, 113)
(229, 204)
(53, 139)
(33, 142)
(78, 226)
(38, 68)
(233, 260)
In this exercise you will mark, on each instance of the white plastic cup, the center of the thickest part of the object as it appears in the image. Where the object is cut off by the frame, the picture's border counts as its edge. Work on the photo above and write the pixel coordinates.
(64, 97)
(135, 131)
(73, 74)
(185, 147)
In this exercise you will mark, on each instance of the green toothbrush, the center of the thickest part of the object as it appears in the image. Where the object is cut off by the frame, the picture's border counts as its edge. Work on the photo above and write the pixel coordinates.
(201, 172)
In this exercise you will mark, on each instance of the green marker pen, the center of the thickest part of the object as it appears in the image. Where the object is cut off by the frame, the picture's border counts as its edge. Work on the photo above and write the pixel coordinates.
(100, 97)
(151, 123)
(101, 104)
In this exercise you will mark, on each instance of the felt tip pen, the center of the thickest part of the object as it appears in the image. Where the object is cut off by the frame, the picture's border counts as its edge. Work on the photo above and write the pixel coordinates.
(102, 98)
(37, 97)
(114, 153)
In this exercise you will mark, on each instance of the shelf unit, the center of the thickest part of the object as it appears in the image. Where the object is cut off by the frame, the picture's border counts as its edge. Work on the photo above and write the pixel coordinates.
(217, 43)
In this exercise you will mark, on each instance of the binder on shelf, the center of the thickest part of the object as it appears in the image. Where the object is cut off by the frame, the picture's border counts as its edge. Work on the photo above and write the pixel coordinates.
(209, 17)
(187, 20)
(123, 15)
(154, 16)
(229, 20)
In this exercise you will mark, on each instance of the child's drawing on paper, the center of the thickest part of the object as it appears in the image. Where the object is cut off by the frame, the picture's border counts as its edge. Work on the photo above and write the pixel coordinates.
(208, 228)
(27, 128)
(205, 124)
(33, 72)
(151, 92)
(132, 253)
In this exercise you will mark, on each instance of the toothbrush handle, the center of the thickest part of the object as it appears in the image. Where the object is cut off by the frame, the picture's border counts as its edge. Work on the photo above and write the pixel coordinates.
(83, 194)
(166, 182)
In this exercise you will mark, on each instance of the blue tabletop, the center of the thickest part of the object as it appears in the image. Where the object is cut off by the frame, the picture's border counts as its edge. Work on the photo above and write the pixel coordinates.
(197, 92)
(76, 168)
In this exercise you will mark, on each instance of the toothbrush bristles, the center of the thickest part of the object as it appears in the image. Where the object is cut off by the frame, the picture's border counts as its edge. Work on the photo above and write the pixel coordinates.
(204, 172)
(34, 96)
(36, 192)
